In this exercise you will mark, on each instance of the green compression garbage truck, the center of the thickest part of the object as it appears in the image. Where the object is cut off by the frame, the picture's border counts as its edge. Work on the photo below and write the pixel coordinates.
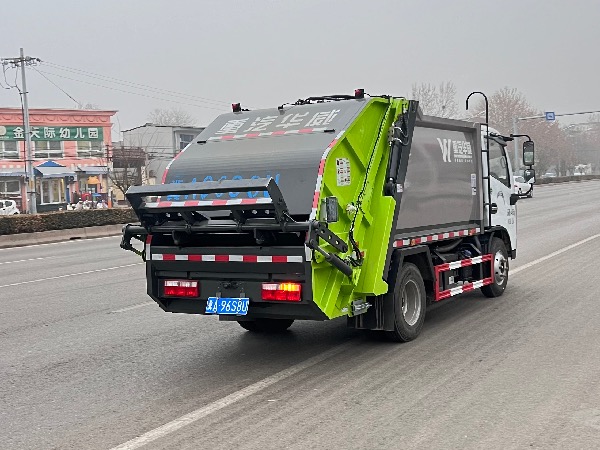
(337, 206)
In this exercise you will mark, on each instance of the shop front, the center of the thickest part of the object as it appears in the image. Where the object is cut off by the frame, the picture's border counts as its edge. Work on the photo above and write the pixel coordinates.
(53, 185)
(65, 143)
(12, 186)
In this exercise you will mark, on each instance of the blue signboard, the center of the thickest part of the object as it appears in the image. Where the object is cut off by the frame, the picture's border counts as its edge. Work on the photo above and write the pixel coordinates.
(550, 116)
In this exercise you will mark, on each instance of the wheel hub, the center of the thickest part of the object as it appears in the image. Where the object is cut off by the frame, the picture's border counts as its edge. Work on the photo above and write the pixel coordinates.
(411, 302)
(500, 268)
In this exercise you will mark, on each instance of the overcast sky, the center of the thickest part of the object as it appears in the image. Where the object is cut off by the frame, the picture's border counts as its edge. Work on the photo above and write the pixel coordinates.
(263, 52)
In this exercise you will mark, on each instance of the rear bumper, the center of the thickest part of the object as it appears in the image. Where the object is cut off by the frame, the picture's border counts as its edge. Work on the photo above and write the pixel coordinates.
(233, 272)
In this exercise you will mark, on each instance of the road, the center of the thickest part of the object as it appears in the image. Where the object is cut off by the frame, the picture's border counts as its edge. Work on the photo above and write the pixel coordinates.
(87, 362)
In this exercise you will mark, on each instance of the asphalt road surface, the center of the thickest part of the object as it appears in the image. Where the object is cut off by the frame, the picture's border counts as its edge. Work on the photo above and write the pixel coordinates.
(87, 362)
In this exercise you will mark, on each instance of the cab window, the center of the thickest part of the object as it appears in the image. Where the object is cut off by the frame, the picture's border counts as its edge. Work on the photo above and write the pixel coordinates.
(498, 164)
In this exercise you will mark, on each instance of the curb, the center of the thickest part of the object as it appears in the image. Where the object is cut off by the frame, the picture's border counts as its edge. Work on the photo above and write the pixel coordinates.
(46, 237)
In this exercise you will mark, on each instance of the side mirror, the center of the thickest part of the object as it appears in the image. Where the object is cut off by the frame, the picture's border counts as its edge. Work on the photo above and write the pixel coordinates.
(529, 175)
(528, 153)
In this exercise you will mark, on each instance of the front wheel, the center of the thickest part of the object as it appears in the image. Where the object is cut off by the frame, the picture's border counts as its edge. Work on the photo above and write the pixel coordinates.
(410, 301)
(500, 261)
(266, 325)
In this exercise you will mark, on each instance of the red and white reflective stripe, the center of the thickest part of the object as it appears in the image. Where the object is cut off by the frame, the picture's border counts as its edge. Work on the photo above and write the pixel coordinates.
(317, 194)
(435, 237)
(228, 258)
(192, 203)
(441, 295)
(230, 137)
(464, 288)
(464, 263)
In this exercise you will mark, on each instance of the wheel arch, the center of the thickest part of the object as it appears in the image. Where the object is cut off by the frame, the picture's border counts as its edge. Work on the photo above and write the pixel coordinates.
(500, 233)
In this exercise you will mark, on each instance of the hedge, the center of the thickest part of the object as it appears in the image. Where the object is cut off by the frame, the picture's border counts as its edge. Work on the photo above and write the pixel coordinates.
(62, 220)
(540, 180)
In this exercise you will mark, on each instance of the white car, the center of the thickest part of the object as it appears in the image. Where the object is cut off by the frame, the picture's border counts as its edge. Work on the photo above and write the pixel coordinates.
(8, 208)
(520, 186)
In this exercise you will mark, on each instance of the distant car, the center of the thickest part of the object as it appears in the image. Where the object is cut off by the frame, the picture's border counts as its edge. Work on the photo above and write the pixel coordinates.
(549, 175)
(520, 186)
(8, 208)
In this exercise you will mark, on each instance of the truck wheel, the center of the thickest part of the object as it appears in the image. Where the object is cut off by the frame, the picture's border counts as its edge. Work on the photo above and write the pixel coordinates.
(500, 261)
(266, 325)
(409, 305)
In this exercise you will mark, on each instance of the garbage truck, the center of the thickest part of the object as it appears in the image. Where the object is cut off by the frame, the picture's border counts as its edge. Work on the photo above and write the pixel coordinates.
(336, 206)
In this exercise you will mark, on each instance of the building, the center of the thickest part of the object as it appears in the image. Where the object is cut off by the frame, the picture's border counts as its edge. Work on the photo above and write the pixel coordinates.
(161, 143)
(69, 150)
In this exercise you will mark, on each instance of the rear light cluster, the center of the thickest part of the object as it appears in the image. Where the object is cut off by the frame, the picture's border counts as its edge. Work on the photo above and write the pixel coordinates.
(283, 292)
(180, 288)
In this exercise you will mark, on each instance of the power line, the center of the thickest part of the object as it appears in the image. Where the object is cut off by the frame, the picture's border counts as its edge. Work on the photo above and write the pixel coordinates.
(57, 86)
(131, 92)
(134, 84)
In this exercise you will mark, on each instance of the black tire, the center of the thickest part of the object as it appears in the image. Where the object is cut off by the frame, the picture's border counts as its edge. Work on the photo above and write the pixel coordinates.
(410, 301)
(266, 325)
(501, 268)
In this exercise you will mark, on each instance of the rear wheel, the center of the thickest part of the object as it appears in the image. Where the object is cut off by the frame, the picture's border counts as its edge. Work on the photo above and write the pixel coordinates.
(409, 299)
(266, 325)
(500, 262)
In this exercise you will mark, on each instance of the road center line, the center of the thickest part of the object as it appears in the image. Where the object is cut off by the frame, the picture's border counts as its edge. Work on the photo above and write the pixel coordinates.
(235, 397)
(129, 308)
(553, 254)
(70, 275)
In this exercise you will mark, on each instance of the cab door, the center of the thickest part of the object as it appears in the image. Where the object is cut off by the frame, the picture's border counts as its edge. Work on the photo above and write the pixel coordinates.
(503, 214)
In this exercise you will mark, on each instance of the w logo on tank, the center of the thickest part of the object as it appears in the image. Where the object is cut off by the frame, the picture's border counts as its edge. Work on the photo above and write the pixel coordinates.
(445, 145)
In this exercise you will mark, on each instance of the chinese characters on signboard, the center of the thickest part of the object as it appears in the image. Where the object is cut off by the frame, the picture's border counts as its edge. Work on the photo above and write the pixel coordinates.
(48, 133)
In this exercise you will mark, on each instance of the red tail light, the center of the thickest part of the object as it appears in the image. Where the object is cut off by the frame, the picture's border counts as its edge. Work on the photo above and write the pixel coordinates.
(282, 292)
(180, 288)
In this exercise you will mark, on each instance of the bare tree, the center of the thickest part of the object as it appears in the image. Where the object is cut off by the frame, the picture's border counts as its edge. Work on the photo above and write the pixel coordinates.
(87, 106)
(551, 143)
(127, 167)
(172, 116)
(437, 101)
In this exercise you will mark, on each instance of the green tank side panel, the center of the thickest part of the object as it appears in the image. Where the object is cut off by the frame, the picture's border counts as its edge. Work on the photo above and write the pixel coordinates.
(346, 176)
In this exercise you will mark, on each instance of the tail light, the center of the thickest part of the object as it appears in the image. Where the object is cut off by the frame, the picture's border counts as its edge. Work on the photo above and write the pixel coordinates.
(180, 288)
(282, 292)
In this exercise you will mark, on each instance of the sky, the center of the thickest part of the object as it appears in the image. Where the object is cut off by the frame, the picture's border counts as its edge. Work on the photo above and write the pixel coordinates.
(202, 55)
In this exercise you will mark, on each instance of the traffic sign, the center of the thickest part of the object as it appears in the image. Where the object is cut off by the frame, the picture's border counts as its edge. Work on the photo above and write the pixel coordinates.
(550, 116)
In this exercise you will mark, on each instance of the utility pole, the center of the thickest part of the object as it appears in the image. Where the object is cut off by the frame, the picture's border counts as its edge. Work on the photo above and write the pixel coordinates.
(21, 62)
(108, 192)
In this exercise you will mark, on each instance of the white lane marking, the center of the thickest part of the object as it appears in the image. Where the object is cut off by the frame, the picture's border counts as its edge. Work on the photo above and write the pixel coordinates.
(129, 308)
(553, 254)
(29, 259)
(71, 275)
(204, 411)
(60, 242)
